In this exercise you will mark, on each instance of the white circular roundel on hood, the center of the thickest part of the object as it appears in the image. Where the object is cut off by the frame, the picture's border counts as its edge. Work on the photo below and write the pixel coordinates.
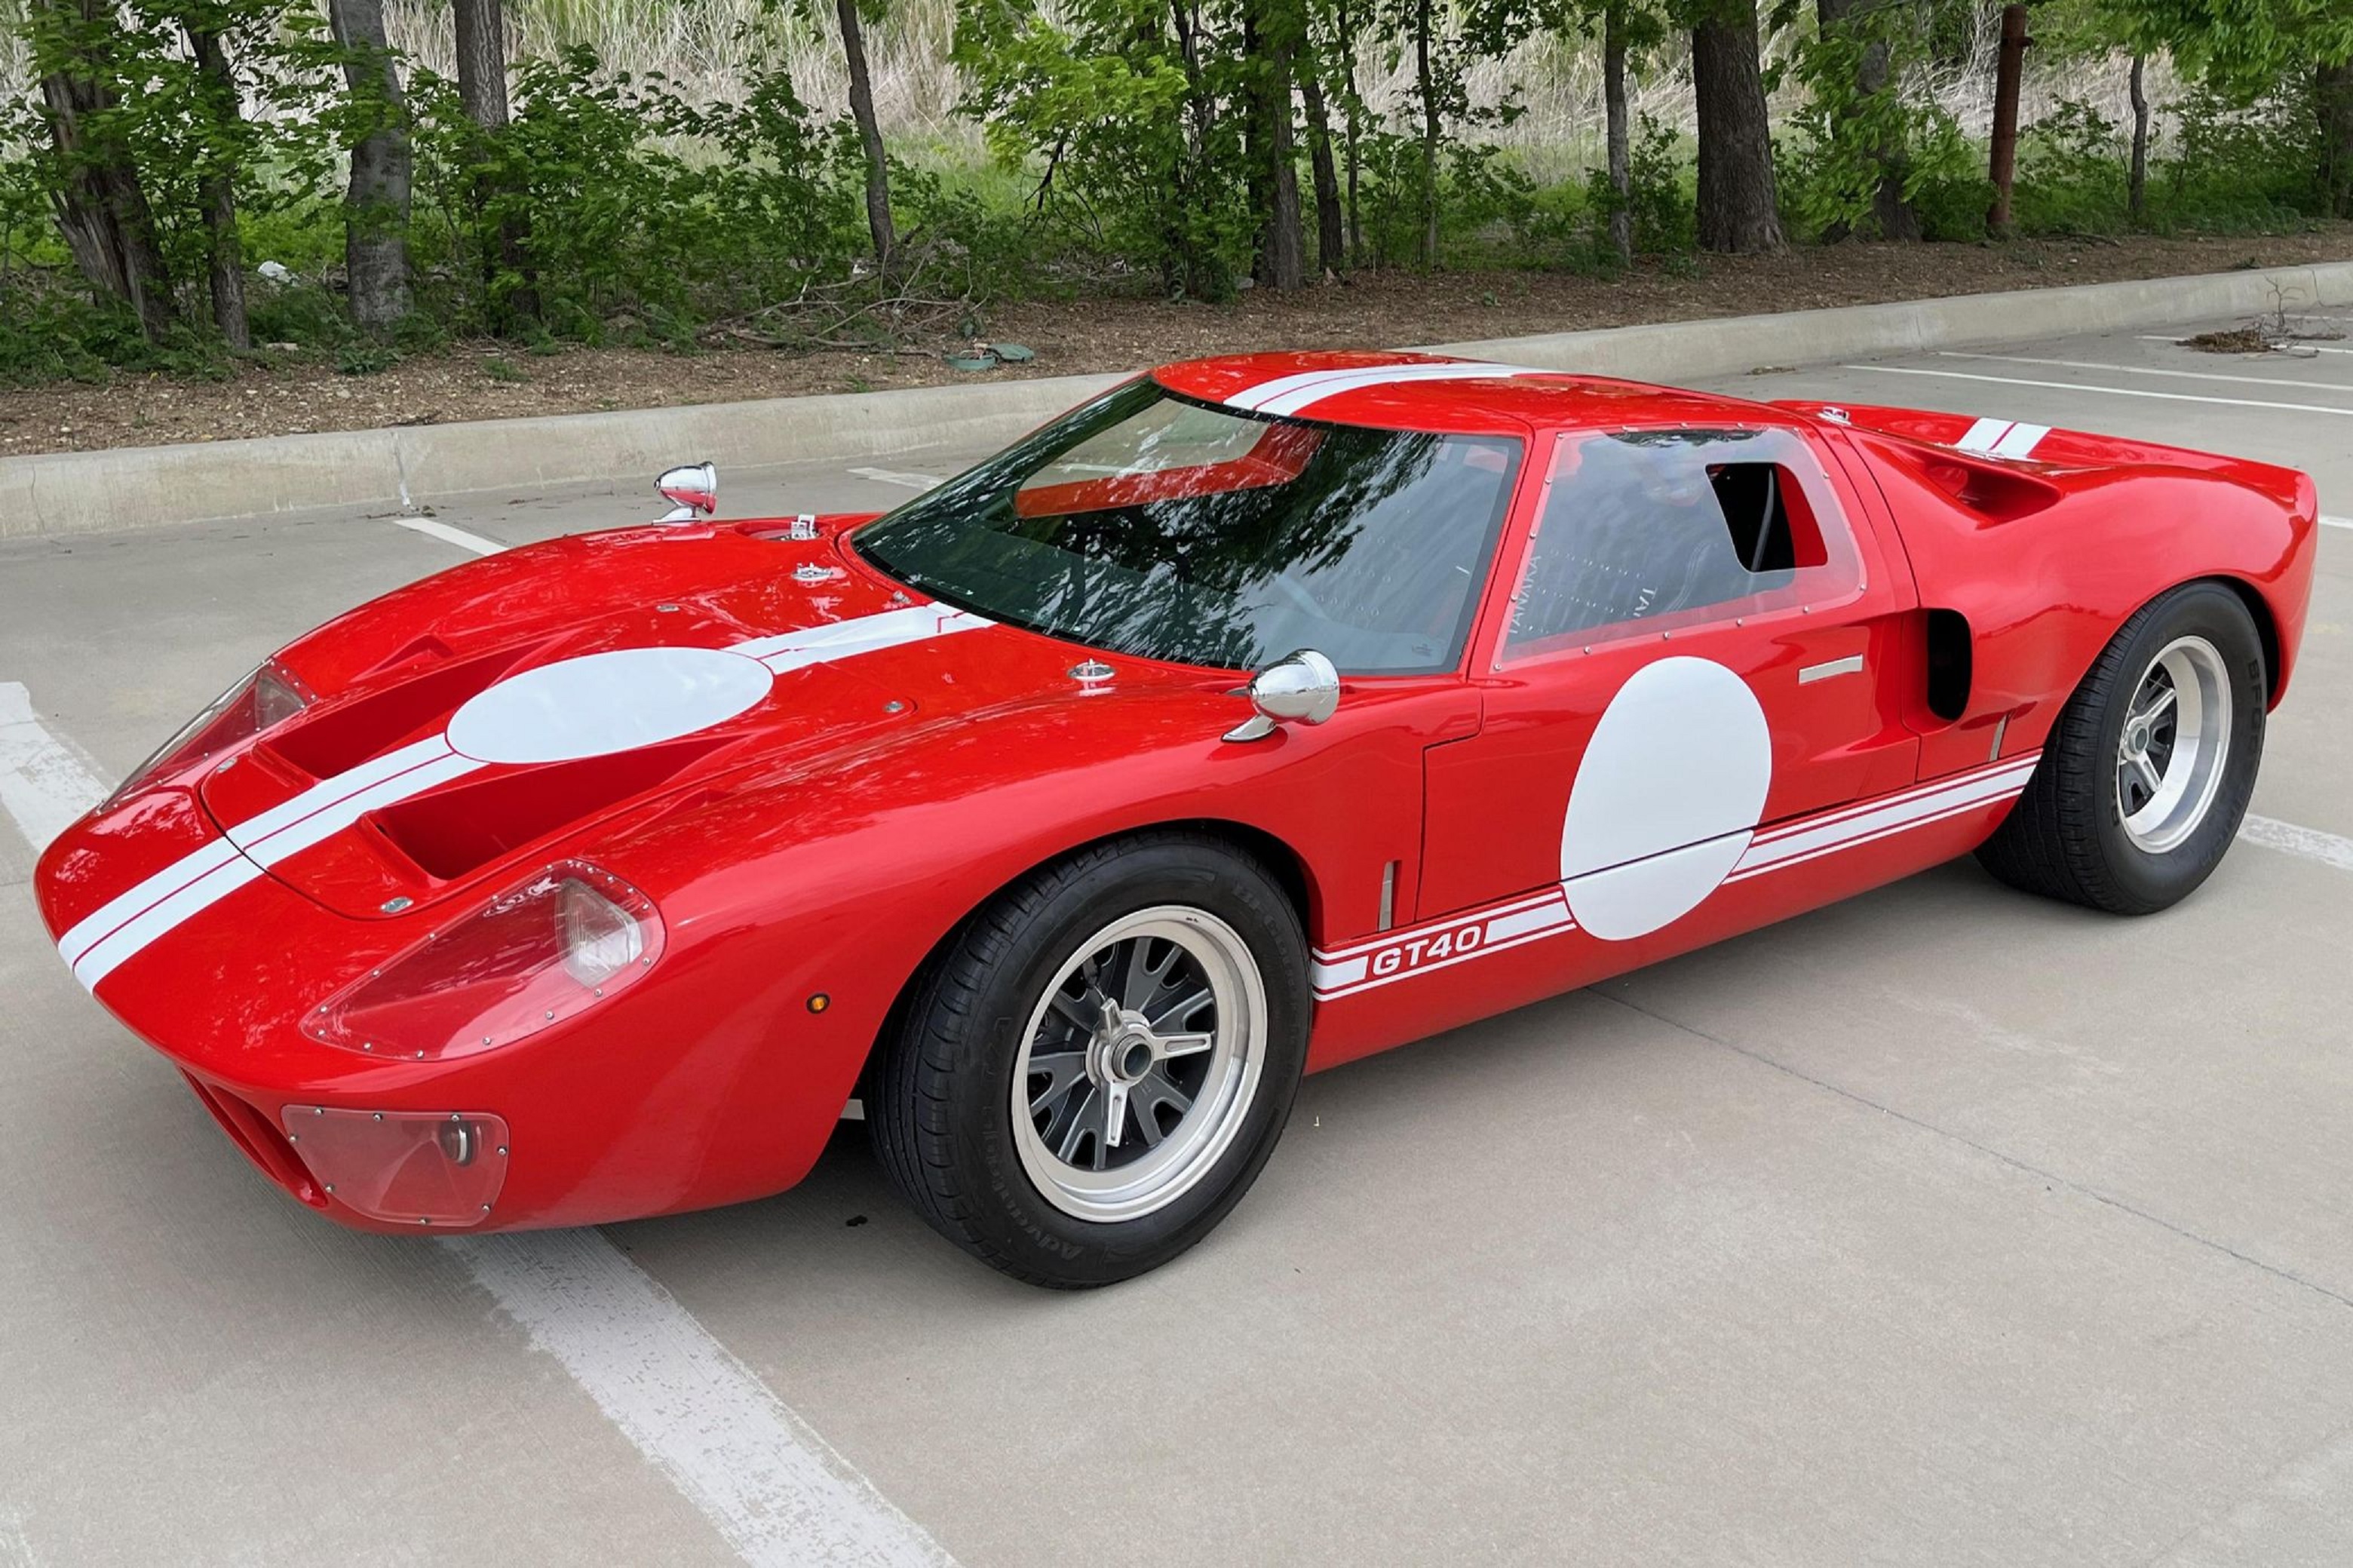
(1667, 798)
(605, 702)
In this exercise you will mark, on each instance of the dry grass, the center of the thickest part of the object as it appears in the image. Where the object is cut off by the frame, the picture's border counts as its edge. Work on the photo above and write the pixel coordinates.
(714, 48)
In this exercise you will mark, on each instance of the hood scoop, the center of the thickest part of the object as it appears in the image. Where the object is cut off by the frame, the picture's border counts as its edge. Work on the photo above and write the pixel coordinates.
(338, 738)
(464, 826)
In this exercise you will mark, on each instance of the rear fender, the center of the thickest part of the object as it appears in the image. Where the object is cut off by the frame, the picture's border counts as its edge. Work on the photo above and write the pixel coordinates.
(2046, 541)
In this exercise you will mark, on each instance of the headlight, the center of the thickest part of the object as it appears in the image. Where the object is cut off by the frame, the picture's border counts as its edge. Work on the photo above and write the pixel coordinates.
(540, 953)
(261, 702)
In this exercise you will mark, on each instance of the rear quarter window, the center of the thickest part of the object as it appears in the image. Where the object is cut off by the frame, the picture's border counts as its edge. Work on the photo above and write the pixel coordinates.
(1643, 531)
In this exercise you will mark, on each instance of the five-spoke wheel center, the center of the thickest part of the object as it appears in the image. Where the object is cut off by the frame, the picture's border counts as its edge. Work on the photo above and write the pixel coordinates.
(1124, 1050)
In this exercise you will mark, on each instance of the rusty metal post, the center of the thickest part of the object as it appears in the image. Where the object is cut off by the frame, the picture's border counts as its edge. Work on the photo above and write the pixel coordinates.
(2005, 113)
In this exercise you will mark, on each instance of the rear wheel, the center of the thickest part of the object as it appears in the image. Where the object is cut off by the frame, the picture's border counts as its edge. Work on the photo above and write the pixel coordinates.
(1098, 1068)
(2147, 774)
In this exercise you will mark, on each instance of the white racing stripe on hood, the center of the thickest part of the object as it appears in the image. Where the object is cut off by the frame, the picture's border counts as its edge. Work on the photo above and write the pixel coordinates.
(865, 634)
(129, 922)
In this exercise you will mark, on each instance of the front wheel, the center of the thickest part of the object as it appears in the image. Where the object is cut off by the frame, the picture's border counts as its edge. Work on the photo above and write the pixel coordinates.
(1096, 1071)
(2148, 773)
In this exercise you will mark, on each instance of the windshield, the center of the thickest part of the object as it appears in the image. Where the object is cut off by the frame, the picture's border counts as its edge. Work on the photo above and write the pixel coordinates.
(1148, 524)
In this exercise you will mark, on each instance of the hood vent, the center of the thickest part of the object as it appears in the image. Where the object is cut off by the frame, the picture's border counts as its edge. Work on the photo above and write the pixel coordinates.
(338, 738)
(458, 830)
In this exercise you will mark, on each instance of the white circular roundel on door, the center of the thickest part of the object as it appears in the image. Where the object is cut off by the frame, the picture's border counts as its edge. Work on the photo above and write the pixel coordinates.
(604, 702)
(1667, 796)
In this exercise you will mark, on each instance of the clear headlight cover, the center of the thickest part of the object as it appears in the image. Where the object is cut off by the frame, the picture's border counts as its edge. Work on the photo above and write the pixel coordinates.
(544, 951)
(258, 702)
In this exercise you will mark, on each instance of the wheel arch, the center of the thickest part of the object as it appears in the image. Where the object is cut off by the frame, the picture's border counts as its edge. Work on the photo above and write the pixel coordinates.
(2267, 632)
(1282, 860)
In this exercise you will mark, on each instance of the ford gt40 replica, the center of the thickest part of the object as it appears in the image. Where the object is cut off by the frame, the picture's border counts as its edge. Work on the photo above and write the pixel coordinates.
(1259, 714)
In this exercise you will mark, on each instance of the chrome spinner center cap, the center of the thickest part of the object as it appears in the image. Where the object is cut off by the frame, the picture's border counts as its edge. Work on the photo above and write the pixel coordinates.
(1123, 1052)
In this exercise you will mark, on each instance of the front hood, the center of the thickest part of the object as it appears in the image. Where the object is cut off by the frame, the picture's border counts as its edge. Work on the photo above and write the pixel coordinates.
(469, 721)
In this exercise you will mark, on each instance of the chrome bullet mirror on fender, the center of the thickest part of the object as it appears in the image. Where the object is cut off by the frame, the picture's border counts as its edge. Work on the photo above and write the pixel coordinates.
(1302, 688)
(692, 490)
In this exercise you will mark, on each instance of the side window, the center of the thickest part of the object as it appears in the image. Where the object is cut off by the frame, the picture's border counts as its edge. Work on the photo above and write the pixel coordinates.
(1648, 530)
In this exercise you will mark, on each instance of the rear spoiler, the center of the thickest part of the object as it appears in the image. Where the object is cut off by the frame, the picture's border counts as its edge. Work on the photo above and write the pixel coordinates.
(2040, 444)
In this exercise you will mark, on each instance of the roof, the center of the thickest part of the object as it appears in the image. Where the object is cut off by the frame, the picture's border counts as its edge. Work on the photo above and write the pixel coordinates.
(1397, 391)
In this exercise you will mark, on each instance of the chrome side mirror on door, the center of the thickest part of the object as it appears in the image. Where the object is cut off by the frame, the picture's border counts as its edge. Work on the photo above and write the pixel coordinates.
(1302, 688)
(692, 490)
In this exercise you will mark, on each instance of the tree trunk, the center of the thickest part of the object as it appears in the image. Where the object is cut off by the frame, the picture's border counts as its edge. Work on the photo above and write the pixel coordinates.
(1194, 265)
(1738, 206)
(216, 189)
(1620, 135)
(2136, 177)
(102, 207)
(878, 226)
(2001, 155)
(1425, 82)
(1893, 215)
(481, 40)
(1268, 39)
(1331, 243)
(2333, 95)
(375, 208)
(1351, 113)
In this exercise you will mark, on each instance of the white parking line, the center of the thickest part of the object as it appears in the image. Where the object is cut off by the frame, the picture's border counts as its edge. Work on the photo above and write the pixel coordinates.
(2149, 370)
(766, 1482)
(2336, 522)
(2309, 842)
(44, 783)
(2110, 391)
(769, 1485)
(913, 481)
(449, 535)
(16, 1550)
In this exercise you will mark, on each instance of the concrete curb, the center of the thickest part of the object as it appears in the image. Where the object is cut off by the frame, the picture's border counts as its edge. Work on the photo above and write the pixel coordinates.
(86, 492)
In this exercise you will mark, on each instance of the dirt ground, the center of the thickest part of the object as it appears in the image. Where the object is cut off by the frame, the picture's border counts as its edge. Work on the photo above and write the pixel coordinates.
(495, 381)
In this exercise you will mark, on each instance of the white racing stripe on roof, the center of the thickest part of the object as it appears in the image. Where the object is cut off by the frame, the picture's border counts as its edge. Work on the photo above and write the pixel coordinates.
(1294, 394)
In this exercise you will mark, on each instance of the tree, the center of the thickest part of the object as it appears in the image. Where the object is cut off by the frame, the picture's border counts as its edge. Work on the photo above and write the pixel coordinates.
(1331, 239)
(1624, 25)
(2136, 175)
(1270, 42)
(1738, 207)
(216, 178)
(1425, 78)
(481, 52)
(878, 223)
(1871, 114)
(102, 211)
(376, 206)
(1618, 136)
(2248, 46)
(2333, 102)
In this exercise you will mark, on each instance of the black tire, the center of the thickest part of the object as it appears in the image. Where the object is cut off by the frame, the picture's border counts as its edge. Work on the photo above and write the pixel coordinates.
(2066, 838)
(939, 1096)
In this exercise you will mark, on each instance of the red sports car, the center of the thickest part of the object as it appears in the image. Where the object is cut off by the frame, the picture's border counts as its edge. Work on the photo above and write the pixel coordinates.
(1259, 714)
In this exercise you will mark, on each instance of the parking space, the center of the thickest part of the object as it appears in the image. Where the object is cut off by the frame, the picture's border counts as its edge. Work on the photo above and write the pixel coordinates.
(1944, 1225)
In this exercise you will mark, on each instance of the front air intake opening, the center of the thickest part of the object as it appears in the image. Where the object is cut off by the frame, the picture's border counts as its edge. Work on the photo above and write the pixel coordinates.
(1949, 664)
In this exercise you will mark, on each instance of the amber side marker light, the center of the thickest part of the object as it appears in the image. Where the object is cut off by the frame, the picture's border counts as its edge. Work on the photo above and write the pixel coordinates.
(819, 1002)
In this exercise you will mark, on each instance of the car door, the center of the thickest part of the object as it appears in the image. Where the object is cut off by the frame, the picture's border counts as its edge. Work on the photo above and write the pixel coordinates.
(1702, 636)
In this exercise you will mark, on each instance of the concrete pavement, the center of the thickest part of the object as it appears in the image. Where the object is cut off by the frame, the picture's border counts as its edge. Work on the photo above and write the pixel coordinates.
(1942, 1226)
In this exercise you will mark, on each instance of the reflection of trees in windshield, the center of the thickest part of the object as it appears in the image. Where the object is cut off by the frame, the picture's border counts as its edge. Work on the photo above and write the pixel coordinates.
(1174, 535)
